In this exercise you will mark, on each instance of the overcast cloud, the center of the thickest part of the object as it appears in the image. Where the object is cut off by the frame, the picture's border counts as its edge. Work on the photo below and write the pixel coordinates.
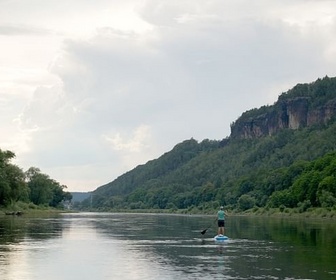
(91, 89)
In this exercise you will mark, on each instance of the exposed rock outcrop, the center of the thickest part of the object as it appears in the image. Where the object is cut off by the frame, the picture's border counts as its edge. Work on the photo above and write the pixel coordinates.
(292, 110)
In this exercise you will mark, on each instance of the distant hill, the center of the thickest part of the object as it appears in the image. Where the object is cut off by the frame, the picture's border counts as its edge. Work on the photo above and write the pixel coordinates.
(265, 162)
(79, 196)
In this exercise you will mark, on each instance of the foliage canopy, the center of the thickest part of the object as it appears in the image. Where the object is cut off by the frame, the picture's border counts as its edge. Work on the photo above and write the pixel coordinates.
(31, 186)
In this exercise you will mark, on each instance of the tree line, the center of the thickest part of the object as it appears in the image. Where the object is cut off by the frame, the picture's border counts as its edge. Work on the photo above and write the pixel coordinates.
(31, 187)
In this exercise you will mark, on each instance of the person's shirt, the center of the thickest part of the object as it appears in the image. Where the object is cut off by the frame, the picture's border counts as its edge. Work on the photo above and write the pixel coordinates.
(221, 215)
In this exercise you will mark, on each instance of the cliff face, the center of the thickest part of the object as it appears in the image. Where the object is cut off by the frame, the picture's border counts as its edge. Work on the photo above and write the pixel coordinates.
(290, 111)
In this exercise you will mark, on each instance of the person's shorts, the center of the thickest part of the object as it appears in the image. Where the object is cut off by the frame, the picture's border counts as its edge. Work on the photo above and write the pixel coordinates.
(221, 223)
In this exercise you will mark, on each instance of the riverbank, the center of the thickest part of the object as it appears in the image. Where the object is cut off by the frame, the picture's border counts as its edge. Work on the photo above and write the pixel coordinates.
(310, 213)
(314, 213)
(21, 208)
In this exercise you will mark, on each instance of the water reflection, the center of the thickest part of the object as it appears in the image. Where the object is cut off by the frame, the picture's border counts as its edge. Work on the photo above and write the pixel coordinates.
(14, 229)
(134, 246)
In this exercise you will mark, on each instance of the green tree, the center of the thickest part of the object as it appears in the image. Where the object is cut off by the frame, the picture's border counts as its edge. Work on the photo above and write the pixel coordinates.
(279, 198)
(40, 189)
(18, 186)
(43, 189)
(327, 199)
(328, 183)
(12, 184)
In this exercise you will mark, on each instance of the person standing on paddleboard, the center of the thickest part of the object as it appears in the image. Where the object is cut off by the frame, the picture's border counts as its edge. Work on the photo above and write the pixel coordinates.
(221, 220)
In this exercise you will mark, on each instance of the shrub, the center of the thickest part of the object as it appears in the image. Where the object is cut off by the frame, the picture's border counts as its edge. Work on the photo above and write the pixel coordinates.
(304, 206)
(246, 202)
(327, 199)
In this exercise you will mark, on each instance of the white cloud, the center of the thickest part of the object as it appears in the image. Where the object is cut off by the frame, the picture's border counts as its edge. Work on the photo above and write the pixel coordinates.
(140, 139)
(90, 90)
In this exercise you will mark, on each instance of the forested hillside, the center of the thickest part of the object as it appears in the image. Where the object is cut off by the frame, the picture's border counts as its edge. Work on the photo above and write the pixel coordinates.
(282, 155)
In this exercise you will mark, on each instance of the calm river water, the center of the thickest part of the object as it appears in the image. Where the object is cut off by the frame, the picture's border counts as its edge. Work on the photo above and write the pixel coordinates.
(151, 246)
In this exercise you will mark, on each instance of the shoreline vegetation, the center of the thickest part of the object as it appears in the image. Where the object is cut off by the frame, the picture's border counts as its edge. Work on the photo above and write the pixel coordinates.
(20, 208)
(312, 213)
(28, 209)
(292, 213)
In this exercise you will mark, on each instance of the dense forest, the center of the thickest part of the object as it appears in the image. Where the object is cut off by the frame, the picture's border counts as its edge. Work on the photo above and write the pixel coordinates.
(279, 156)
(30, 189)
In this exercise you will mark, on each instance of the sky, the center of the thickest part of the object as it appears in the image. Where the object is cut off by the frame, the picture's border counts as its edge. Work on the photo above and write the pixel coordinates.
(91, 89)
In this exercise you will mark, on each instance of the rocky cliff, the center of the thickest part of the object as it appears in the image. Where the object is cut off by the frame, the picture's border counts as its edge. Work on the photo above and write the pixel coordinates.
(302, 106)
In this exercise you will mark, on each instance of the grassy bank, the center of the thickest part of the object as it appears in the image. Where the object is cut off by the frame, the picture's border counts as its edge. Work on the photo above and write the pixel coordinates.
(21, 208)
(313, 213)
(322, 213)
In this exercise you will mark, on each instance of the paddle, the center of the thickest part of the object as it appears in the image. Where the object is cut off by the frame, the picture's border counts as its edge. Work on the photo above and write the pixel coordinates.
(205, 230)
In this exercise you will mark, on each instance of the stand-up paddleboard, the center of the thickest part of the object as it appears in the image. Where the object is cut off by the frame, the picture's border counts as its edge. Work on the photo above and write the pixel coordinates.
(221, 237)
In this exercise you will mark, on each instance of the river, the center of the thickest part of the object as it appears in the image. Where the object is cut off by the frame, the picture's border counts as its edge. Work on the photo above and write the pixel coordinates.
(157, 246)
